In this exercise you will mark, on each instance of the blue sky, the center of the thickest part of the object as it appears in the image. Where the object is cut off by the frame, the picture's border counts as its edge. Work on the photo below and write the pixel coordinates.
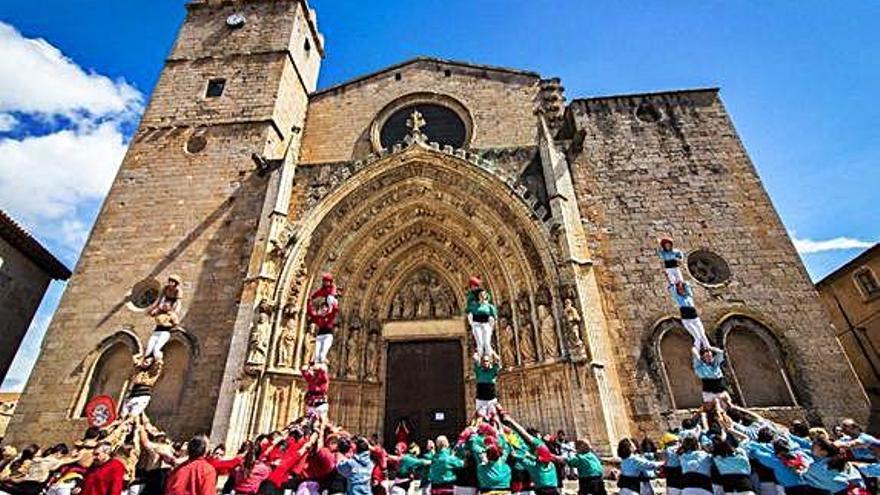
(799, 83)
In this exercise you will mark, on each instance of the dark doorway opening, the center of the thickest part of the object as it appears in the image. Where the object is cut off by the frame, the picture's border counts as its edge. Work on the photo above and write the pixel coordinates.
(424, 391)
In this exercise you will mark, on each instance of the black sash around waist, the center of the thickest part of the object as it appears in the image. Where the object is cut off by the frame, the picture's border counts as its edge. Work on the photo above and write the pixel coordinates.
(140, 390)
(737, 483)
(688, 312)
(696, 480)
(481, 318)
(673, 476)
(630, 482)
(486, 391)
(671, 263)
(714, 385)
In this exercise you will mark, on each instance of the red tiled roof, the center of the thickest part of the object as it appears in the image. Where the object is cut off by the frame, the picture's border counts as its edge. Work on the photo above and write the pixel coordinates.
(21, 239)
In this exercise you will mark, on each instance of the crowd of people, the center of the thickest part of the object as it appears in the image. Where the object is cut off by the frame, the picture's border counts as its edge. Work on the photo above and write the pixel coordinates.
(721, 450)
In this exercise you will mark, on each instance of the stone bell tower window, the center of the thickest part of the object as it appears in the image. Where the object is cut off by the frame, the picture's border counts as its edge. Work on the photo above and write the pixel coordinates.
(215, 88)
(442, 124)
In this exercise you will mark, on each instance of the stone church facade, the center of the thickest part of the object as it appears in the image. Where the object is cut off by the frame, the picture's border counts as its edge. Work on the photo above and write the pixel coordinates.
(250, 183)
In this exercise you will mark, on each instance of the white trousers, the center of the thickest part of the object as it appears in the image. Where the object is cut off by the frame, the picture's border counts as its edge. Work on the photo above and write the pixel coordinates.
(767, 488)
(673, 491)
(487, 407)
(646, 488)
(135, 406)
(673, 275)
(464, 490)
(156, 343)
(483, 337)
(308, 488)
(627, 491)
(694, 326)
(322, 347)
(695, 491)
(717, 489)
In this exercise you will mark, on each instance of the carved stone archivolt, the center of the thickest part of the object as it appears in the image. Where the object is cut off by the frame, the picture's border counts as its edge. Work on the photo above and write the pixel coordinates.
(402, 233)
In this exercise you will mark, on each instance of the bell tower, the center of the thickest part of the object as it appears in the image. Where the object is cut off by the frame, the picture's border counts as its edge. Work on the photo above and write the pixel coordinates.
(202, 186)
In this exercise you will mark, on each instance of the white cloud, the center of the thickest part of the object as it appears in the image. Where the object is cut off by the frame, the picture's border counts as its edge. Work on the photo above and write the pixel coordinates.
(810, 246)
(39, 79)
(7, 122)
(47, 177)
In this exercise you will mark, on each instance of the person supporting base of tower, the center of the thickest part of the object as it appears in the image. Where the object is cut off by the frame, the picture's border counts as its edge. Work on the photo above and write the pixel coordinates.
(707, 366)
(318, 384)
(144, 377)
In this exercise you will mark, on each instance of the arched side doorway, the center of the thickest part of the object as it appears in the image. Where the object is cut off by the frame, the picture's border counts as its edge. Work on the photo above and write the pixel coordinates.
(403, 236)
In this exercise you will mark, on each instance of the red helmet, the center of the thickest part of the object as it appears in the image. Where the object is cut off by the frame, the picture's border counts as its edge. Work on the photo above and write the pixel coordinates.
(665, 240)
(543, 454)
(327, 277)
(474, 282)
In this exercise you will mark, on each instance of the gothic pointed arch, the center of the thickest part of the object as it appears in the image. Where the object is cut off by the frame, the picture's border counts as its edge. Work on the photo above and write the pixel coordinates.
(756, 358)
(109, 365)
(672, 365)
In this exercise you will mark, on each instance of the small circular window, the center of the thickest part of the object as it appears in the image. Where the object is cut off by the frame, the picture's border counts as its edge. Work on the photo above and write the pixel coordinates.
(442, 124)
(145, 293)
(708, 268)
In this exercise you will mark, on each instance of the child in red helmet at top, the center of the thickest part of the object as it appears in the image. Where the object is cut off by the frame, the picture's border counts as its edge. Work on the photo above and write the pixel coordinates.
(324, 317)
(672, 259)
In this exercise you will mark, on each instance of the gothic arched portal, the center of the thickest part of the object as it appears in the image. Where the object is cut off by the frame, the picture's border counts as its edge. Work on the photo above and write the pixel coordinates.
(402, 235)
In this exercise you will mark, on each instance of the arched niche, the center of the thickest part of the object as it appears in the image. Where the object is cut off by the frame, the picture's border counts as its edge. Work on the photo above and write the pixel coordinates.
(169, 390)
(673, 347)
(110, 365)
(756, 360)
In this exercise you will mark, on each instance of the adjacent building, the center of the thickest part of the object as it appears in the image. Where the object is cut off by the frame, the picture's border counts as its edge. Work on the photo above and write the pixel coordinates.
(852, 295)
(26, 269)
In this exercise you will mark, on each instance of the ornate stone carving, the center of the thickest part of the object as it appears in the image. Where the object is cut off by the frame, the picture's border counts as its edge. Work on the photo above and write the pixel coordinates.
(258, 342)
(423, 295)
(547, 326)
(371, 363)
(351, 368)
(572, 330)
(286, 344)
(527, 348)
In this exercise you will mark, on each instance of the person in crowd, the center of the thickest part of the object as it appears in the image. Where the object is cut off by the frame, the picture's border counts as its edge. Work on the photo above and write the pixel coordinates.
(442, 473)
(166, 314)
(671, 259)
(857, 441)
(408, 464)
(247, 477)
(486, 369)
(707, 366)
(423, 471)
(683, 295)
(830, 472)
(321, 462)
(157, 461)
(734, 466)
(632, 467)
(317, 386)
(669, 446)
(196, 476)
(788, 464)
(358, 468)
(287, 456)
(540, 461)
(106, 475)
(589, 469)
(481, 317)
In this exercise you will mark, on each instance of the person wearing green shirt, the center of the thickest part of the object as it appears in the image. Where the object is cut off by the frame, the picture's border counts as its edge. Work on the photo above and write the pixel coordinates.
(441, 474)
(481, 317)
(589, 469)
(486, 371)
(490, 456)
(422, 471)
(408, 463)
(540, 462)
(474, 287)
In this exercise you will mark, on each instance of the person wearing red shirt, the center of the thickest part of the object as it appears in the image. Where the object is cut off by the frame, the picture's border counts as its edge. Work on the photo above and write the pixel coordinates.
(380, 465)
(290, 462)
(196, 476)
(324, 319)
(318, 384)
(106, 474)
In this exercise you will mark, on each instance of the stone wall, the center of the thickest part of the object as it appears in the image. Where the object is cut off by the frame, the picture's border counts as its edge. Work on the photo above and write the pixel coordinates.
(22, 285)
(501, 104)
(680, 169)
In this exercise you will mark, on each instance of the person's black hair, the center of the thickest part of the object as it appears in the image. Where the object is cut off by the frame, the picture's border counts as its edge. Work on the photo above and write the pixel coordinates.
(689, 444)
(343, 445)
(197, 447)
(61, 448)
(624, 448)
(836, 455)
(688, 424)
(361, 445)
(782, 447)
(799, 428)
(29, 452)
(648, 446)
(721, 448)
(250, 460)
(92, 433)
(766, 435)
(533, 431)
(296, 434)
